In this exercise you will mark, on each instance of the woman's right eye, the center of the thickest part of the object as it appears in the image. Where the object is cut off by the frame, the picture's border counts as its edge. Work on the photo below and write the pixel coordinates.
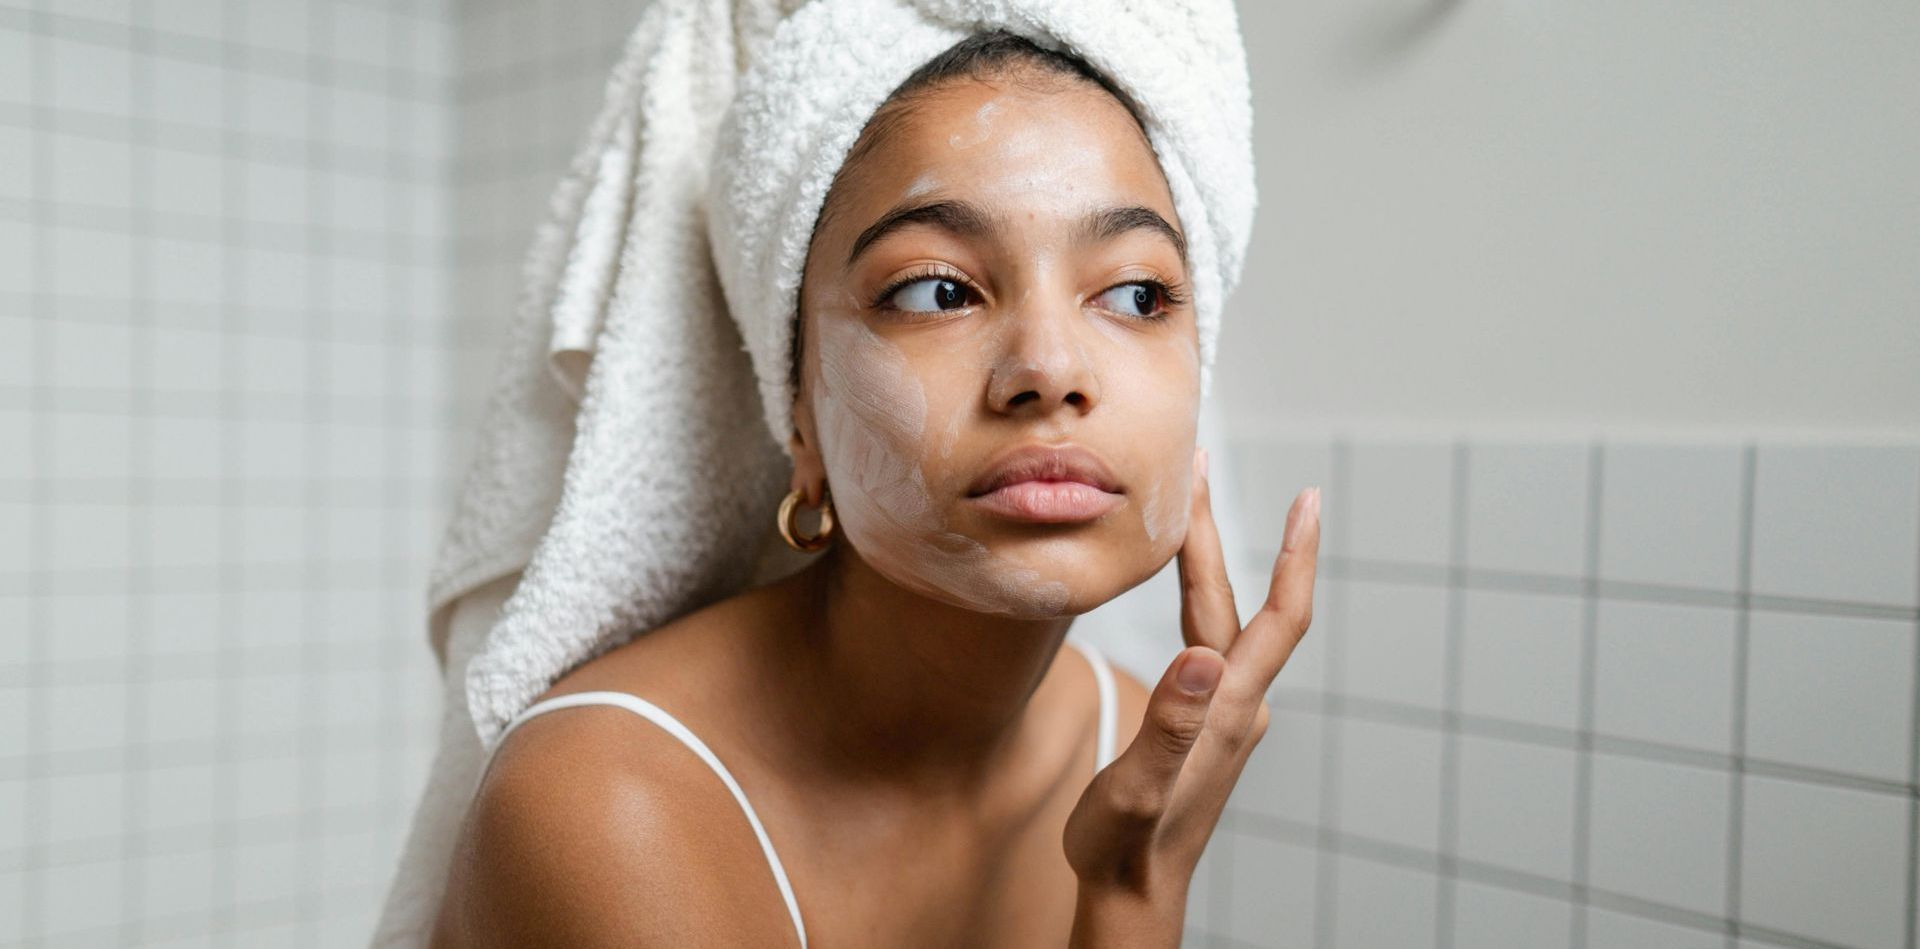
(929, 295)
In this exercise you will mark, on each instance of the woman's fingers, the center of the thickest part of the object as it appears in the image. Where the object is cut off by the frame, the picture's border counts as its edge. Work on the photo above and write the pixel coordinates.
(1143, 777)
(1260, 651)
(1207, 614)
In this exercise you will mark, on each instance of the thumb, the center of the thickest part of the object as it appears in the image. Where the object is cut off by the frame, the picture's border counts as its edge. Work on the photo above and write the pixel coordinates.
(1144, 775)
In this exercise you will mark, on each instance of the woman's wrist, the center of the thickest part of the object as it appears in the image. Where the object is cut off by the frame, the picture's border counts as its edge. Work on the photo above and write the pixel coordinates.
(1107, 917)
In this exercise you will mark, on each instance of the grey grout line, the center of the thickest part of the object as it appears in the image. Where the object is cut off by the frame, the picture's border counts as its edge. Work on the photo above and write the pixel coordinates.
(38, 798)
(1361, 708)
(317, 252)
(1742, 644)
(136, 774)
(226, 793)
(1422, 574)
(1332, 728)
(1451, 677)
(1582, 855)
(1913, 779)
(1359, 846)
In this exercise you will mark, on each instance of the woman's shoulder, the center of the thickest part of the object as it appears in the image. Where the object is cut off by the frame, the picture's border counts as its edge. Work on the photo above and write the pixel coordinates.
(593, 826)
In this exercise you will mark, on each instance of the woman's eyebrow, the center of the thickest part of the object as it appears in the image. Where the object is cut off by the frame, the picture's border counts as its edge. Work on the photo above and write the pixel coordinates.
(967, 219)
(1108, 223)
(961, 217)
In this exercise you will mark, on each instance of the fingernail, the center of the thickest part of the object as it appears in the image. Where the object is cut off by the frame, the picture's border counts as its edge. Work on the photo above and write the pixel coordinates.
(1198, 675)
(1203, 462)
(1313, 505)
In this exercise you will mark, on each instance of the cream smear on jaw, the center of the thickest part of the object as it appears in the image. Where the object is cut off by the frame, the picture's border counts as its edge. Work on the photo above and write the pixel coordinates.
(872, 411)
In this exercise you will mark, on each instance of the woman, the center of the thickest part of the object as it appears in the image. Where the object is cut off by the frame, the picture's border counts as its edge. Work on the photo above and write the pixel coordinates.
(994, 305)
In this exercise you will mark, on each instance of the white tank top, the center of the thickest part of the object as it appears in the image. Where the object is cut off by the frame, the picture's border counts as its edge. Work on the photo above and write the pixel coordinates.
(1103, 750)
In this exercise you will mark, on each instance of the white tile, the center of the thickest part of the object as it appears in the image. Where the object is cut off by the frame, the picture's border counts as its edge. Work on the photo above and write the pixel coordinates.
(284, 25)
(1270, 897)
(357, 119)
(90, 78)
(85, 717)
(1390, 783)
(185, 448)
(89, 536)
(181, 710)
(1516, 806)
(1659, 832)
(1384, 905)
(88, 806)
(1393, 642)
(188, 183)
(278, 106)
(1838, 523)
(1282, 775)
(1402, 502)
(86, 627)
(1527, 508)
(1670, 515)
(177, 884)
(268, 787)
(18, 343)
(17, 460)
(1521, 657)
(92, 355)
(1491, 917)
(184, 535)
(17, 536)
(190, 93)
(17, 67)
(363, 34)
(192, 272)
(1610, 930)
(187, 360)
(276, 193)
(91, 171)
(1825, 863)
(1267, 473)
(1831, 692)
(19, 267)
(91, 264)
(267, 870)
(182, 795)
(17, 157)
(202, 18)
(1664, 673)
(82, 896)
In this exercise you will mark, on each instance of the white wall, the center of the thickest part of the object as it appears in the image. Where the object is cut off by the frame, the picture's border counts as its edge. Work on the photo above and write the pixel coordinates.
(223, 461)
(1630, 214)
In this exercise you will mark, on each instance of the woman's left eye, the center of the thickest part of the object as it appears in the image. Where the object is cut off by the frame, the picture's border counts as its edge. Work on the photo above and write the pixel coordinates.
(1139, 299)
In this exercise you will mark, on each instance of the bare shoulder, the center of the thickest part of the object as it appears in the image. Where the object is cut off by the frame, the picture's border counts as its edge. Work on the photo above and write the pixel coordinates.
(594, 827)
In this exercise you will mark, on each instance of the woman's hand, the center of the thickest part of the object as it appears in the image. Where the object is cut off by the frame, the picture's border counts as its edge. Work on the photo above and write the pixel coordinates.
(1140, 828)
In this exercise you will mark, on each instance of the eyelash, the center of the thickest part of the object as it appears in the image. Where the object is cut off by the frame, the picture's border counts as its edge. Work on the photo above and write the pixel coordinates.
(1170, 295)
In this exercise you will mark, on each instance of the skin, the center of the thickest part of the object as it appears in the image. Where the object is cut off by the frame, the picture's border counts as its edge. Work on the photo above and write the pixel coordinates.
(901, 712)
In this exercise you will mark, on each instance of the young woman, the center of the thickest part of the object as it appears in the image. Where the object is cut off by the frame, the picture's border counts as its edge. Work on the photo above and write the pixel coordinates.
(999, 391)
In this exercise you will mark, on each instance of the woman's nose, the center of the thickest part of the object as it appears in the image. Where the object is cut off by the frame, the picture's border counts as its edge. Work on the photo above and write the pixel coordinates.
(1044, 362)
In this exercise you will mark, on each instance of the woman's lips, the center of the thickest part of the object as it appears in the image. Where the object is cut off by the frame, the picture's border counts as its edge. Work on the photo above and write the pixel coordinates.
(1049, 502)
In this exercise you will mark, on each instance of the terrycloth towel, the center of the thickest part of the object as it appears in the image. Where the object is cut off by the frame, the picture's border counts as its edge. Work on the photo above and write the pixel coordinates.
(635, 447)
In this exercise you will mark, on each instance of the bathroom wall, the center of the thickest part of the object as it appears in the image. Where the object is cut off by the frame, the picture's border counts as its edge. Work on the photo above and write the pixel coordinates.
(1614, 694)
(225, 350)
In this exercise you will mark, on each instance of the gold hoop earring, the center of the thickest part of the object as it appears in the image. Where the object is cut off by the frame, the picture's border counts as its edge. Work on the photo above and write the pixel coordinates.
(790, 532)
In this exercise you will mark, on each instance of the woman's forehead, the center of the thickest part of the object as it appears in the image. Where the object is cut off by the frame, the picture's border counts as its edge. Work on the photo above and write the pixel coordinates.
(1034, 154)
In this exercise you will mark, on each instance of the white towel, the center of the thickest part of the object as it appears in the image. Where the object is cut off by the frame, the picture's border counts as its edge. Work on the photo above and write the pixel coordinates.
(629, 466)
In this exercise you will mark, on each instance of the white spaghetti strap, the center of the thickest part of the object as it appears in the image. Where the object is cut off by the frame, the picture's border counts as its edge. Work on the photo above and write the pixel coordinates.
(1103, 678)
(659, 716)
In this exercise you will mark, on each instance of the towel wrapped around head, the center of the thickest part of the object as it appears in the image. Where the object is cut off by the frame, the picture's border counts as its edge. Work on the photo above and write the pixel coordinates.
(634, 449)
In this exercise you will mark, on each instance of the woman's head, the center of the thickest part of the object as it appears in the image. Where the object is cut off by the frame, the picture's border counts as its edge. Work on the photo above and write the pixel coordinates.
(998, 264)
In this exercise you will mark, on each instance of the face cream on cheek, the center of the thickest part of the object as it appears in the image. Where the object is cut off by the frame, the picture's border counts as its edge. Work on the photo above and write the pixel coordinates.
(872, 415)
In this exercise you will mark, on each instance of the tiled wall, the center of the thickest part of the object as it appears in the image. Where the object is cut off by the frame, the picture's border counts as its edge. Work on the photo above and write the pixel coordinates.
(1632, 695)
(224, 342)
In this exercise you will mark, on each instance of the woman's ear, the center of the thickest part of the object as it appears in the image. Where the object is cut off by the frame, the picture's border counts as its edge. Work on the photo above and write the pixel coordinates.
(809, 472)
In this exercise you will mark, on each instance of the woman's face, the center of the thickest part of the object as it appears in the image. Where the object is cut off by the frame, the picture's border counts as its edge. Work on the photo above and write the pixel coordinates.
(1021, 307)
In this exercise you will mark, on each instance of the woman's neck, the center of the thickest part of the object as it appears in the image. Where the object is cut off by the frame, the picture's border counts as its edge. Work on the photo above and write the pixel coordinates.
(894, 686)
